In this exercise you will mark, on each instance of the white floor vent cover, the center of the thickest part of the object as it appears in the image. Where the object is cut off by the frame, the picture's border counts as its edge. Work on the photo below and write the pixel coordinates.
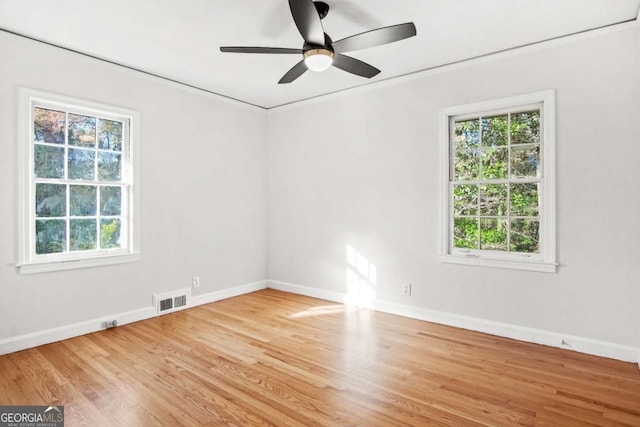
(171, 301)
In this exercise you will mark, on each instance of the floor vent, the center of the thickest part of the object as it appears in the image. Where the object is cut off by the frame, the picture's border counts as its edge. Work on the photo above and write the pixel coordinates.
(180, 301)
(171, 301)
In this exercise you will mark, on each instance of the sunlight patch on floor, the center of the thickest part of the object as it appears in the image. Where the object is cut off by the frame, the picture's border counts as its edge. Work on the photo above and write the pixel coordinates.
(319, 311)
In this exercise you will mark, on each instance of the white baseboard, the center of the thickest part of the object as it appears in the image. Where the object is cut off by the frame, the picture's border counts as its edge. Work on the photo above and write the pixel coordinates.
(22, 342)
(307, 291)
(553, 339)
(227, 293)
(521, 333)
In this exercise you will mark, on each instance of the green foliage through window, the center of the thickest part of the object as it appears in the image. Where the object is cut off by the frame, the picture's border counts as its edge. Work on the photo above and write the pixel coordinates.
(496, 182)
(77, 170)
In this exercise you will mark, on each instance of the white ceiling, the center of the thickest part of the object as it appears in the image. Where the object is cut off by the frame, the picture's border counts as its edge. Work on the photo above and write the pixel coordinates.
(180, 39)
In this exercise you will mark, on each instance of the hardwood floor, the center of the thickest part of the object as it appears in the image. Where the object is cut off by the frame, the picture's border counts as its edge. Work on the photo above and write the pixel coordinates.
(272, 358)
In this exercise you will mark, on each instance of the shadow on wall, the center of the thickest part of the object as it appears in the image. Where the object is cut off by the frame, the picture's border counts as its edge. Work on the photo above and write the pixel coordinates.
(361, 279)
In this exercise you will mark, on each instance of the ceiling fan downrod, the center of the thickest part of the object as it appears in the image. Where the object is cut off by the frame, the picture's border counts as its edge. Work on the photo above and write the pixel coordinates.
(322, 8)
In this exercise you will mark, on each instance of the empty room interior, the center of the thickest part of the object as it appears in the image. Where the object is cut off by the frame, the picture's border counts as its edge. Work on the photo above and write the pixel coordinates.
(340, 213)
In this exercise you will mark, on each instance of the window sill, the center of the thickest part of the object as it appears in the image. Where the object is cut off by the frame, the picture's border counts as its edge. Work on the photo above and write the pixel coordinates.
(511, 264)
(43, 267)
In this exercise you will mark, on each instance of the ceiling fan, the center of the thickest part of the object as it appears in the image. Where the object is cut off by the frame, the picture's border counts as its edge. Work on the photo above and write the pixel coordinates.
(319, 52)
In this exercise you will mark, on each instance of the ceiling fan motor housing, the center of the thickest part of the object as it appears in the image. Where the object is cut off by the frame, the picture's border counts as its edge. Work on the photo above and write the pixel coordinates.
(327, 44)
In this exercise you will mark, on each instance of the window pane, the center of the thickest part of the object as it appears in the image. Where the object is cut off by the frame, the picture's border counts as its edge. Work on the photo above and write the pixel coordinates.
(525, 161)
(51, 200)
(51, 236)
(465, 200)
(81, 164)
(525, 235)
(82, 200)
(108, 166)
(48, 125)
(524, 199)
(465, 233)
(495, 131)
(110, 200)
(82, 234)
(467, 165)
(467, 134)
(494, 163)
(525, 128)
(48, 161)
(493, 234)
(109, 135)
(82, 130)
(110, 233)
(493, 199)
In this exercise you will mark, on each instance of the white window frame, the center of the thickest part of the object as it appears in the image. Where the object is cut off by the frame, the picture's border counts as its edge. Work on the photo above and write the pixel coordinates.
(545, 261)
(28, 261)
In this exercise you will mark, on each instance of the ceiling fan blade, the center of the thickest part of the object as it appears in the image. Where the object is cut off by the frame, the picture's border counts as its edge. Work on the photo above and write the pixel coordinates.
(306, 17)
(354, 66)
(249, 49)
(376, 37)
(294, 73)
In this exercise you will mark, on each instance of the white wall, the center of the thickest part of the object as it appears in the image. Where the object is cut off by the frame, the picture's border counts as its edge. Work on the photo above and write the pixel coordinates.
(361, 168)
(203, 192)
(367, 177)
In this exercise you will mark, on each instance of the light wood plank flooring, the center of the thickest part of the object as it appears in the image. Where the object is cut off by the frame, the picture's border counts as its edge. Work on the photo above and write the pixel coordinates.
(272, 358)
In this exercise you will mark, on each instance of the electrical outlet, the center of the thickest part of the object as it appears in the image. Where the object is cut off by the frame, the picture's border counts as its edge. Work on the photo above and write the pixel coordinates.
(195, 282)
(406, 289)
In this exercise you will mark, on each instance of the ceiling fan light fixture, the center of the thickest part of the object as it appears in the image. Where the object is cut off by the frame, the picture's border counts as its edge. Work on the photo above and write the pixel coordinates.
(318, 59)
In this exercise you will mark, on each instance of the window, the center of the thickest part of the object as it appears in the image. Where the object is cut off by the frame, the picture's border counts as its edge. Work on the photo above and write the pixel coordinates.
(78, 186)
(498, 195)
